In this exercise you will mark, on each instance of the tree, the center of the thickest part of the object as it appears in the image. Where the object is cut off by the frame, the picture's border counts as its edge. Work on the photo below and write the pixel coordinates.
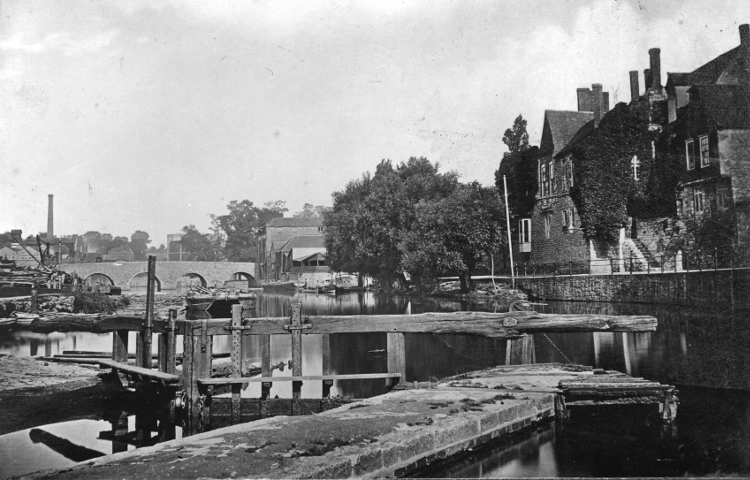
(455, 234)
(199, 247)
(516, 137)
(311, 211)
(242, 225)
(365, 225)
(139, 241)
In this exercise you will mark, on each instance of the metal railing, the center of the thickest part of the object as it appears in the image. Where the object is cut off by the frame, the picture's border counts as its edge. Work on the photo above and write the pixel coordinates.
(688, 260)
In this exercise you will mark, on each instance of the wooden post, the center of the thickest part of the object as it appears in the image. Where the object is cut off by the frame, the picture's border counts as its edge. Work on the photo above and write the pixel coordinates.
(296, 350)
(195, 365)
(396, 347)
(325, 347)
(120, 346)
(236, 361)
(167, 352)
(519, 351)
(34, 297)
(265, 366)
(149, 324)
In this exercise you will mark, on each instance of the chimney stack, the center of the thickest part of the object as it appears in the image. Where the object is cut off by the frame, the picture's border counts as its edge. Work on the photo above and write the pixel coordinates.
(585, 103)
(50, 218)
(655, 55)
(647, 78)
(745, 34)
(634, 88)
(598, 101)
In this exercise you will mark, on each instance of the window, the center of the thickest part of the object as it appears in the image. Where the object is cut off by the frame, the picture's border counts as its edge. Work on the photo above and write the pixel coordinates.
(635, 166)
(547, 218)
(552, 176)
(567, 220)
(545, 180)
(524, 235)
(524, 230)
(690, 154)
(724, 197)
(570, 173)
(697, 201)
(704, 150)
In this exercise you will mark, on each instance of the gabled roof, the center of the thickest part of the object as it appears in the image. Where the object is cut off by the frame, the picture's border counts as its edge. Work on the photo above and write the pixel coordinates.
(729, 68)
(580, 135)
(304, 241)
(728, 105)
(560, 126)
(296, 222)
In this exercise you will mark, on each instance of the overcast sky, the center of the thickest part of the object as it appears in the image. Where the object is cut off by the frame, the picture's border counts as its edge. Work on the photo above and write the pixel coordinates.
(153, 115)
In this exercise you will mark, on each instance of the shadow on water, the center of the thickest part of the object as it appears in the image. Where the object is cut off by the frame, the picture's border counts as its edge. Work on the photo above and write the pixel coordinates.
(704, 353)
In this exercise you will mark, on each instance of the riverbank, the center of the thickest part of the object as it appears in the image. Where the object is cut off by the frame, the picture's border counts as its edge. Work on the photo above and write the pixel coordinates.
(34, 392)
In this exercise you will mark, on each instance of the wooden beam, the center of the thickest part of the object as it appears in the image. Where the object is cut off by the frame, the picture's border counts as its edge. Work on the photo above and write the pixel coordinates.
(300, 378)
(144, 372)
(487, 324)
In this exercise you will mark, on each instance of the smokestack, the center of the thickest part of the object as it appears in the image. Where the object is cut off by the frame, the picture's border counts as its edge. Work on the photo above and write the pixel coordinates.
(745, 34)
(598, 101)
(50, 218)
(655, 55)
(647, 78)
(634, 88)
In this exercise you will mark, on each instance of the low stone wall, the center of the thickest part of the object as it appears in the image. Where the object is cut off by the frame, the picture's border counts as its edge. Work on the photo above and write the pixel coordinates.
(715, 288)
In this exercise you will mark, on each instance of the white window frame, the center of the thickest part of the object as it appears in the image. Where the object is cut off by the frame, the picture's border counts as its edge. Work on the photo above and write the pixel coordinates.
(690, 154)
(547, 226)
(552, 176)
(698, 201)
(635, 166)
(701, 144)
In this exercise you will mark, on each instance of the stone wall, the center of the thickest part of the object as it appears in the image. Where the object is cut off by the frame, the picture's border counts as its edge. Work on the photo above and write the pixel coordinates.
(715, 289)
(566, 244)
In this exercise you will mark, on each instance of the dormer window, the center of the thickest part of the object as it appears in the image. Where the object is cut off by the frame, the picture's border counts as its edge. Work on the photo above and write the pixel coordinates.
(690, 155)
(704, 150)
(635, 167)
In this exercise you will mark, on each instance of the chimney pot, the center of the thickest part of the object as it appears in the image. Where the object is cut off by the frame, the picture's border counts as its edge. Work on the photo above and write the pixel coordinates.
(634, 88)
(655, 55)
(744, 34)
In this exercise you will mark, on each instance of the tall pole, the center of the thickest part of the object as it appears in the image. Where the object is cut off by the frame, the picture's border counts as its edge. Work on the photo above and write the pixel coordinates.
(148, 327)
(510, 244)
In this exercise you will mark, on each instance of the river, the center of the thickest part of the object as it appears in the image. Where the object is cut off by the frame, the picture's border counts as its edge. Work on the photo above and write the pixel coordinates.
(703, 353)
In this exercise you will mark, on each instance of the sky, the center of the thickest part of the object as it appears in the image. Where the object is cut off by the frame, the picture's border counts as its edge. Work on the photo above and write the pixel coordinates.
(141, 115)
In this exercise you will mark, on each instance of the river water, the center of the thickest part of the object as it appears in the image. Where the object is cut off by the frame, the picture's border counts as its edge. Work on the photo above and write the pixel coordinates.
(704, 353)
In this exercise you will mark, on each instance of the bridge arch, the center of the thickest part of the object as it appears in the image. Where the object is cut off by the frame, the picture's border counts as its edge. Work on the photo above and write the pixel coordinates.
(189, 281)
(139, 283)
(97, 281)
(241, 280)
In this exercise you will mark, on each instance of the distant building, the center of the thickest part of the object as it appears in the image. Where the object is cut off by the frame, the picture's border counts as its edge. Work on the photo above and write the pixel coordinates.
(278, 232)
(121, 253)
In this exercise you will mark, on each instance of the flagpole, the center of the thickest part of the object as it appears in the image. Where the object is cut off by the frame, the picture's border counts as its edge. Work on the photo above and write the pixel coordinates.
(510, 244)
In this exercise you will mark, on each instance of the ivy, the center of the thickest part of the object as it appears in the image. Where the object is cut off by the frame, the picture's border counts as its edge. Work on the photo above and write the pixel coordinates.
(604, 191)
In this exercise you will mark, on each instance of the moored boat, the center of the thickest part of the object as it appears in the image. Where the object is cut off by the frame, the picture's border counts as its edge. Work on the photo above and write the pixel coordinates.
(204, 299)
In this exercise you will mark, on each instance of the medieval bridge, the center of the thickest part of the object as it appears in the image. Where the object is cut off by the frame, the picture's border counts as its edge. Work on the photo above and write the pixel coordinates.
(170, 276)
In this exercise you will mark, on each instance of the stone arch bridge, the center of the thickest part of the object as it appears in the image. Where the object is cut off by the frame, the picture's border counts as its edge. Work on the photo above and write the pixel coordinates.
(170, 276)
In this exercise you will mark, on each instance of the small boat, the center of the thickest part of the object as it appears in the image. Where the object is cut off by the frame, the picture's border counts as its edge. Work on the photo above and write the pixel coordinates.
(24, 319)
(7, 322)
(203, 299)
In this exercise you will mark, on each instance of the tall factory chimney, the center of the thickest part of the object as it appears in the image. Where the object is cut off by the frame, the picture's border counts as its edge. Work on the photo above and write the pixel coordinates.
(50, 218)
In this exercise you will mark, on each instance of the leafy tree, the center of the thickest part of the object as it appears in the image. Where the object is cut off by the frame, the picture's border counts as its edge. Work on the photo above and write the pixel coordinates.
(520, 171)
(368, 219)
(5, 238)
(242, 225)
(454, 234)
(139, 241)
(311, 211)
(200, 247)
(516, 137)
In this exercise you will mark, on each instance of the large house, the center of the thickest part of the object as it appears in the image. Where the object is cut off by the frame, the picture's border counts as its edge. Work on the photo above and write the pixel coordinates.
(682, 171)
